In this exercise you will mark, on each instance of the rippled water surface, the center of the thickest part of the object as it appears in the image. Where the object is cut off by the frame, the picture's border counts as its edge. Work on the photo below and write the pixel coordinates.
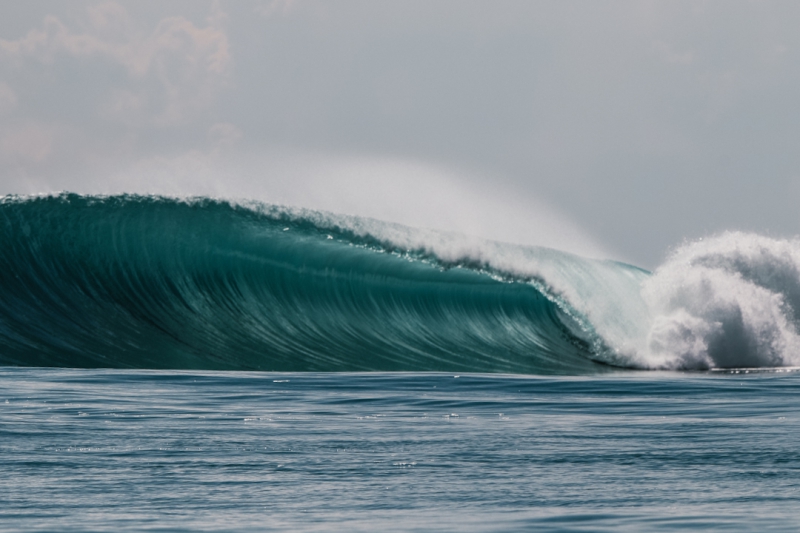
(89, 450)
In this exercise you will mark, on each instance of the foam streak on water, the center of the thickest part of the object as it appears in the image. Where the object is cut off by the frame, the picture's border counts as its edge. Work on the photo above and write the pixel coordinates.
(90, 450)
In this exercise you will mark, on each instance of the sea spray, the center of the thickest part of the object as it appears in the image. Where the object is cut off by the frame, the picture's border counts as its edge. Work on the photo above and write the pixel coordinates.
(728, 301)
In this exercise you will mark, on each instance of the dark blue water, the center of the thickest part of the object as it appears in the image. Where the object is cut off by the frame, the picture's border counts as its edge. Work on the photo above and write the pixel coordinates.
(111, 450)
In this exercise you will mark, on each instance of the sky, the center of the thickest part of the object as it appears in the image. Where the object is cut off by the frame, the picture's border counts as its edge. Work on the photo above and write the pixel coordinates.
(615, 129)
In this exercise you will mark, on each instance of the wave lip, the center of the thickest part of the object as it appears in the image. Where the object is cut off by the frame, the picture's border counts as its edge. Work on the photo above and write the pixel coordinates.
(154, 282)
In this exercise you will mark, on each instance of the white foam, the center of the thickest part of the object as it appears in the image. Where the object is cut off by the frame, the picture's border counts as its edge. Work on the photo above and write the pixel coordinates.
(728, 301)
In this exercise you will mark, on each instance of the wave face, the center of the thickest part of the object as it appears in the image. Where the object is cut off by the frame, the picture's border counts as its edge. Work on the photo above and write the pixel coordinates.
(154, 282)
(151, 282)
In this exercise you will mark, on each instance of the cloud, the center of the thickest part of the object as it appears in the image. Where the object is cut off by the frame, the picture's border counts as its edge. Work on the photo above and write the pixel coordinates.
(187, 64)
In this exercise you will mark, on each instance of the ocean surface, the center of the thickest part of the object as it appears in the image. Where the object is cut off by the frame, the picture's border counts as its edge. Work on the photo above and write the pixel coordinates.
(204, 365)
(116, 450)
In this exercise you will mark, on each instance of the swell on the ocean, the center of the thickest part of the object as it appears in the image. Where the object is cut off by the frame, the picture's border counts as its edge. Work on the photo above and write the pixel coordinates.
(153, 282)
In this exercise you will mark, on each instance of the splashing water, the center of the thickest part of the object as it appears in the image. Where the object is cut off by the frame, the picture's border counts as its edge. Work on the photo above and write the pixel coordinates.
(729, 301)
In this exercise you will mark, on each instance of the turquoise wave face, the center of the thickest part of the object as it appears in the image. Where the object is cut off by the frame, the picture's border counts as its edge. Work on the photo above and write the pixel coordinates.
(149, 282)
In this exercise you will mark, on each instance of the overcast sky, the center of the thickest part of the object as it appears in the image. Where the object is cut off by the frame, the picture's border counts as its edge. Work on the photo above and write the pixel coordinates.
(612, 129)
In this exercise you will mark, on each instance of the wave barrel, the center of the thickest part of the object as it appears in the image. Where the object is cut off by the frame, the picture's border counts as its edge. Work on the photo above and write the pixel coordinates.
(150, 282)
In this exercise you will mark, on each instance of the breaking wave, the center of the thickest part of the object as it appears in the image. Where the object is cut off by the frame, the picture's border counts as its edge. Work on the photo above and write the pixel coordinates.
(154, 282)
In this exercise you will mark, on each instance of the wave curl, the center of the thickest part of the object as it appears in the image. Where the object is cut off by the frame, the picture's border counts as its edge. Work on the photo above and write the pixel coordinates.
(154, 282)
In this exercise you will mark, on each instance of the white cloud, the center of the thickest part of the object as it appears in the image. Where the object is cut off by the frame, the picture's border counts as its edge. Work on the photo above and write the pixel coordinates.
(188, 64)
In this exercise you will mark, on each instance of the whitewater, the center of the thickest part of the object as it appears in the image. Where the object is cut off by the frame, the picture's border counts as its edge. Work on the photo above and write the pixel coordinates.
(134, 281)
